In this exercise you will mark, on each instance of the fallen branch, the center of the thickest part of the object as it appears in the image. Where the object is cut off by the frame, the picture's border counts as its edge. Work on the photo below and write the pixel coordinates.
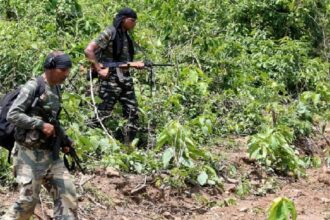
(96, 203)
(84, 181)
(140, 187)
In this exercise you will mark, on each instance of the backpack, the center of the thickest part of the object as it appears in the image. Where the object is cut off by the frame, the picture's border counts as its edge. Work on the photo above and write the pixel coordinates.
(7, 129)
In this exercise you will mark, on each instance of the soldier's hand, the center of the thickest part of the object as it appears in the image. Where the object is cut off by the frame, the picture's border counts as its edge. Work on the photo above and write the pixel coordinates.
(66, 149)
(103, 73)
(68, 145)
(48, 130)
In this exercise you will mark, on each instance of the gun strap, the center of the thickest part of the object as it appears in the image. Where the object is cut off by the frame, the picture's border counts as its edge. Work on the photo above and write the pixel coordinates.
(58, 91)
(67, 164)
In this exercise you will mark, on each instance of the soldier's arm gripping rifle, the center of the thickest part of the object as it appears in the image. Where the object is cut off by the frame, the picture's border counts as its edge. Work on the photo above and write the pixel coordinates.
(62, 141)
(144, 64)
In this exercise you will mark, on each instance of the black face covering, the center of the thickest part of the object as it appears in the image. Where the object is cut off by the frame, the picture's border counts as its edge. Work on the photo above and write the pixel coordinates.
(124, 13)
(62, 61)
(118, 42)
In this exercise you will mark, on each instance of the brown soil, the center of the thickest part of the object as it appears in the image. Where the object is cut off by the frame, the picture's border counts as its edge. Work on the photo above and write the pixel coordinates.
(310, 195)
(107, 194)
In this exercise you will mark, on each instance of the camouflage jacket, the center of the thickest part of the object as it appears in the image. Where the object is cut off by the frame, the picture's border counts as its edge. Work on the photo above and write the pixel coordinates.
(28, 123)
(106, 40)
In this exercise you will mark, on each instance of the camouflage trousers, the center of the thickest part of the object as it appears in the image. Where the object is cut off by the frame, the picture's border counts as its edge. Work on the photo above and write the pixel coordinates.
(33, 168)
(120, 89)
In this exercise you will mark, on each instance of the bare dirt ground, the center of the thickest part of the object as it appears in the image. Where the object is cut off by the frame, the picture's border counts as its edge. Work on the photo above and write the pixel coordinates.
(107, 194)
(310, 195)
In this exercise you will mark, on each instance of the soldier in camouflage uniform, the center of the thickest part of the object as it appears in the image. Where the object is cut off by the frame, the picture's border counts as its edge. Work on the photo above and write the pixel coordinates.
(116, 84)
(34, 162)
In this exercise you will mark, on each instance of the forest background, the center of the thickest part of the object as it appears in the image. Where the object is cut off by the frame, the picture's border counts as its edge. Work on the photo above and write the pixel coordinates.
(256, 68)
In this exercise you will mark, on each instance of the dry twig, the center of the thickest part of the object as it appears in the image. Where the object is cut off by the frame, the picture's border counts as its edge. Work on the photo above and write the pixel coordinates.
(95, 108)
(96, 203)
(84, 181)
(140, 187)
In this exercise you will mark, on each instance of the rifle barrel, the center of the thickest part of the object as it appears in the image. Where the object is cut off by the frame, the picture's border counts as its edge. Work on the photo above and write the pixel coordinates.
(160, 64)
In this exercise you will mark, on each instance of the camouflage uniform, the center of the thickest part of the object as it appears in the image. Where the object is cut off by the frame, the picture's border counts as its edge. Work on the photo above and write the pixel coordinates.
(33, 159)
(119, 86)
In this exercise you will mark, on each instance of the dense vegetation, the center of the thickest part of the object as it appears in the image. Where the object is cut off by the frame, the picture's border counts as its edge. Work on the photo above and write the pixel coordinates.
(258, 68)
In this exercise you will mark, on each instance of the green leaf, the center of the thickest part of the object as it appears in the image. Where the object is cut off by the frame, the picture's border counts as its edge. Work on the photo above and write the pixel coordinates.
(281, 209)
(202, 178)
(34, 46)
(138, 167)
(205, 130)
(167, 156)
(186, 162)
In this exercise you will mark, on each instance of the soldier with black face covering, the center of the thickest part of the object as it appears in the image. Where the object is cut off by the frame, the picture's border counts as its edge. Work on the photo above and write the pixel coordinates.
(116, 84)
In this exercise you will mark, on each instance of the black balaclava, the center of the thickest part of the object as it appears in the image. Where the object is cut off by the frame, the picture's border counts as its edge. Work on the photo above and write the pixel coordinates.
(62, 61)
(118, 46)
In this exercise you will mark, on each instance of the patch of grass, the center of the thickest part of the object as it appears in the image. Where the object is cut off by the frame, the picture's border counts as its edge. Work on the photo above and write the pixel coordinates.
(99, 195)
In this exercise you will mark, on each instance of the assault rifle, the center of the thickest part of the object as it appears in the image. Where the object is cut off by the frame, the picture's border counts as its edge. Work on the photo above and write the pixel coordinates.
(145, 64)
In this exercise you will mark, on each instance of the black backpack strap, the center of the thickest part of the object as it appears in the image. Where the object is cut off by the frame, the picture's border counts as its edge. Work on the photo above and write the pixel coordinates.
(41, 86)
(40, 90)
(58, 91)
